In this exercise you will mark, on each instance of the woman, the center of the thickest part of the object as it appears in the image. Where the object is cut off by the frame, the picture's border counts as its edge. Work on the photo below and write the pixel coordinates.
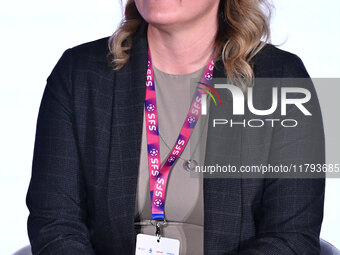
(93, 157)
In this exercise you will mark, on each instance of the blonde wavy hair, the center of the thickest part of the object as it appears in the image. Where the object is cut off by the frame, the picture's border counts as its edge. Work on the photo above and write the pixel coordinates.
(243, 30)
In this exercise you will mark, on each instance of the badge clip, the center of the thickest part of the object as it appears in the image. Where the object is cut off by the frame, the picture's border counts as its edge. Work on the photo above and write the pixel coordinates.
(158, 225)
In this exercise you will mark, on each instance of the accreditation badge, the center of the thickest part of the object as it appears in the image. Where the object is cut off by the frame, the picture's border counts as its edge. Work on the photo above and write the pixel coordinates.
(147, 244)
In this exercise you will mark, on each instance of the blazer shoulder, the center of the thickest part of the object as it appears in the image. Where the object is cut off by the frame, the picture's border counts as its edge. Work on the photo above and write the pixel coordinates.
(271, 61)
(94, 49)
(92, 55)
(81, 67)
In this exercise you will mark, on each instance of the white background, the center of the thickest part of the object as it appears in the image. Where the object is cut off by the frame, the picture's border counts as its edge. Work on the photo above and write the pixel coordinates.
(35, 33)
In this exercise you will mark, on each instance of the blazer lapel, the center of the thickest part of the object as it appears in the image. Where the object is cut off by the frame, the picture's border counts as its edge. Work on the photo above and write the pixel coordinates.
(222, 195)
(127, 123)
(130, 81)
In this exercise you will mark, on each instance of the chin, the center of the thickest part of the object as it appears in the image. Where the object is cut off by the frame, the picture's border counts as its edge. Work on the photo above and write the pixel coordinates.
(163, 19)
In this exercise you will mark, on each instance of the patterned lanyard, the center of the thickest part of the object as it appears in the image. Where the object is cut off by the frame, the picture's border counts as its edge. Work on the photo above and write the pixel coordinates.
(159, 175)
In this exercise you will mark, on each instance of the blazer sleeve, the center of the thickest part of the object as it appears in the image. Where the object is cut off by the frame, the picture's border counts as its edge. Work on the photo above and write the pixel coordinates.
(57, 223)
(291, 213)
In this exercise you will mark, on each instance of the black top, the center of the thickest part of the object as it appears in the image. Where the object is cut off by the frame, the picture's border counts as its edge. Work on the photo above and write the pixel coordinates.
(86, 156)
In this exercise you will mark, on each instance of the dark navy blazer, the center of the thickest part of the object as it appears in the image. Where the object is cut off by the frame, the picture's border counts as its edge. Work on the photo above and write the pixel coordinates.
(82, 192)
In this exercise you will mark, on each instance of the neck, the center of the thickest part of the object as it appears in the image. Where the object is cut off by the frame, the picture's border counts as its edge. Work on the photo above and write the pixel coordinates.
(182, 49)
